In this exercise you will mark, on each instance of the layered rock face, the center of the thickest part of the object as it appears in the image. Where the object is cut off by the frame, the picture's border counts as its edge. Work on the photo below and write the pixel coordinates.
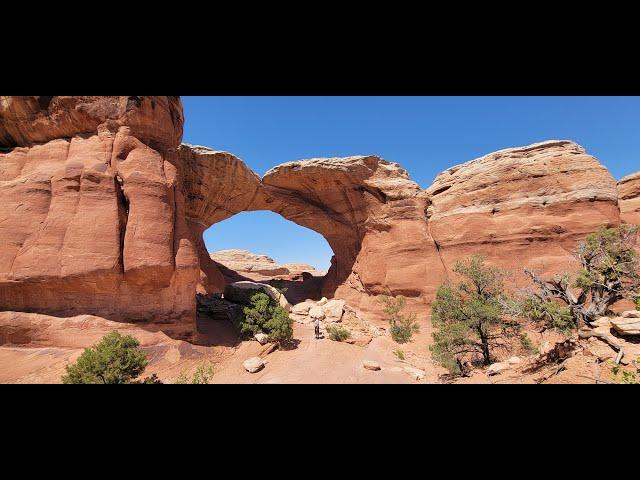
(629, 198)
(102, 211)
(521, 207)
(93, 216)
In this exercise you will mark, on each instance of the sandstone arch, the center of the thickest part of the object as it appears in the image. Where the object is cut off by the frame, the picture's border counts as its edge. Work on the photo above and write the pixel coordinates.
(363, 206)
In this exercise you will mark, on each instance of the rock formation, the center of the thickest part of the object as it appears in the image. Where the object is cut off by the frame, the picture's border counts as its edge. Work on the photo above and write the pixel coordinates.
(629, 198)
(521, 207)
(93, 214)
(102, 211)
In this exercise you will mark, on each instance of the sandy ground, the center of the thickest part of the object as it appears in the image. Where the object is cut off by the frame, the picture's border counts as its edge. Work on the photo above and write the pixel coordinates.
(36, 349)
(317, 361)
(40, 354)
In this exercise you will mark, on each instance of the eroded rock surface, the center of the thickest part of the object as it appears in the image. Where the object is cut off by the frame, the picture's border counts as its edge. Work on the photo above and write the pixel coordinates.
(92, 210)
(521, 207)
(629, 198)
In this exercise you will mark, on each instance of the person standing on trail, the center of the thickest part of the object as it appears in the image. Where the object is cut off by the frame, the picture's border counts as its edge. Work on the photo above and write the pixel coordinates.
(317, 327)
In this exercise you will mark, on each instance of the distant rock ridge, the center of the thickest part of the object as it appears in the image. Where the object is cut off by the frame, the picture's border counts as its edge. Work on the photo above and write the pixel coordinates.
(244, 261)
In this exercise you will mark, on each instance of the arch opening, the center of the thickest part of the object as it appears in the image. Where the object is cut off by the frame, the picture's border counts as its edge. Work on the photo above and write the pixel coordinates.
(263, 246)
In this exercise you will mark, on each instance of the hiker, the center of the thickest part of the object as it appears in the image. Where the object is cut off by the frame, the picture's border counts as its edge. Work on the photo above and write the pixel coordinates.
(317, 326)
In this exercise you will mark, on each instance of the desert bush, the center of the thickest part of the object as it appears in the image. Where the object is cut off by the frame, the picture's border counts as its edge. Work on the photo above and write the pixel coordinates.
(527, 344)
(202, 376)
(265, 315)
(469, 317)
(116, 359)
(402, 326)
(626, 377)
(280, 326)
(610, 271)
(553, 314)
(337, 333)
(399, 353)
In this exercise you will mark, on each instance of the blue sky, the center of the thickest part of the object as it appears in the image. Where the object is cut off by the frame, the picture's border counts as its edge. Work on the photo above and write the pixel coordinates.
(424, 134)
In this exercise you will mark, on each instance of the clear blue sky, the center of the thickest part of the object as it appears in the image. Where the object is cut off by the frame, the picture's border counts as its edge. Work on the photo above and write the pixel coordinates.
(424, 134)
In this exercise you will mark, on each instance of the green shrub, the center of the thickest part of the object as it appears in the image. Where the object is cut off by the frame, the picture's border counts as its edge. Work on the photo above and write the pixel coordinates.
(202, 376)
(402, 327)
(338, 333)
(280, 326)
(550, 312)
(399, 353)
(116, 359)
(401, 333)
(265, 315)
(527, 344)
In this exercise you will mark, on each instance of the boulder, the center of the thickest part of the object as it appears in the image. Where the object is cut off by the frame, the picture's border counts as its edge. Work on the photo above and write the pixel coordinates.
(333, 310)
(253, 364)
(371, 365)
(302, 308)
(316, 312)
(514, 360)
(262, 338)
(497, 368)
(626, 326)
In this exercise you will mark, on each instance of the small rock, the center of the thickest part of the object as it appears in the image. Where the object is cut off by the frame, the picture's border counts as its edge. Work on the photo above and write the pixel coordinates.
(415, 373)
(316, 312)
(514, 360)
(253, 364)
(496, 368)
(371, 365)
(631, 314)
(261, 337)
(322, 301)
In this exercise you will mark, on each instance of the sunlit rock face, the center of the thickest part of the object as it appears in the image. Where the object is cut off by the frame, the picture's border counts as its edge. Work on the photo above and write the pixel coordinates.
(521, 207)
(102, 211)
(92, 213)
(629, 198)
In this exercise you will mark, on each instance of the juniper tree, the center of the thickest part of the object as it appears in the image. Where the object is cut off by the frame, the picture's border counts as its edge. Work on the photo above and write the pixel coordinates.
(469, 317)
(116, 359)
(609, 272)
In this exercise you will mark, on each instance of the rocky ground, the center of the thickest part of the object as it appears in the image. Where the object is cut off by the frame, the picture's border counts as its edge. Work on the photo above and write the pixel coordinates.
(36, 348)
